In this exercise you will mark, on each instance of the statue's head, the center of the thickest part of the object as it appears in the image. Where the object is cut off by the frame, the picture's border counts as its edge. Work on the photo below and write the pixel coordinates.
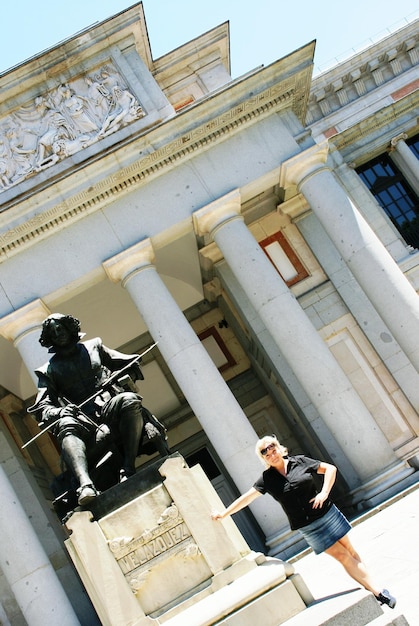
(58, 324)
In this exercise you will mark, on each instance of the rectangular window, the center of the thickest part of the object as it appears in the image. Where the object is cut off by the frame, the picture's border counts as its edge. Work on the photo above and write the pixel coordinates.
(413, 144)
(216, 348)
(394, 194)
(284, 259)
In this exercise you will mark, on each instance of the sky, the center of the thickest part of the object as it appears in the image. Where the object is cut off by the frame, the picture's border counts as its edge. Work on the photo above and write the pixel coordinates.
(261, 31)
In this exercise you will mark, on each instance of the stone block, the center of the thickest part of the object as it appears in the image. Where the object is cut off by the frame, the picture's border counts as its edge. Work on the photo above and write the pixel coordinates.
(149, 552)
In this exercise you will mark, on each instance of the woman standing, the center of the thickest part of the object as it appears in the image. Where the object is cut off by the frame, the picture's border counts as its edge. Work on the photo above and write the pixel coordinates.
(290, 480)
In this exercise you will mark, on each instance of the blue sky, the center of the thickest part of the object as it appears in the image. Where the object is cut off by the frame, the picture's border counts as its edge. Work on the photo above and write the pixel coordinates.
(261, 31)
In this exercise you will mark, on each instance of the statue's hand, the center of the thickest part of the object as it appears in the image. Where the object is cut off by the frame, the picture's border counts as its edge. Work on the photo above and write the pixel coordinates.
(52, 414)
(102, 433)
(70, 410)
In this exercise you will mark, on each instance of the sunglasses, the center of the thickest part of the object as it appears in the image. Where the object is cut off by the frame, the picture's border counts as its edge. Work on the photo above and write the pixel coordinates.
(271, 446)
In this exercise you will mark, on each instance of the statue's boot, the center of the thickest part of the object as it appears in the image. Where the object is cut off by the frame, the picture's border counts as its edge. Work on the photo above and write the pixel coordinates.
(73, 452)
(86, 494)
(131, 425)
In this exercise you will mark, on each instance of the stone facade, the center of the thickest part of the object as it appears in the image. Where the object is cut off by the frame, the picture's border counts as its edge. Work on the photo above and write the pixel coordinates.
(160, 200)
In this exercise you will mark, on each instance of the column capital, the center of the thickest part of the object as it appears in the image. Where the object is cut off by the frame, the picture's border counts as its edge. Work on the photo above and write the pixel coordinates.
(303, 164)
(397, 139)
(207, 219)
(24, 320)
(137, 257)
(294, 207)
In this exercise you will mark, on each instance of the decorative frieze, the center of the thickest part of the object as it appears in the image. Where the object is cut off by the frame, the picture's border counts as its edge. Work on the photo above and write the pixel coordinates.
(360, 86)
(414, 56)
(285, 94)
(396, 54)
(379, 121)
(64, 121)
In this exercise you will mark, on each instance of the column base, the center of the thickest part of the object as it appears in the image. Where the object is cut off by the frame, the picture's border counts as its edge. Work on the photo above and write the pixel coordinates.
(380, 488)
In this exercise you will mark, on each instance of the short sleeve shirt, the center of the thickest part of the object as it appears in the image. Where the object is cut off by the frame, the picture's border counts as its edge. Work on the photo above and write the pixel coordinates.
(295, 491)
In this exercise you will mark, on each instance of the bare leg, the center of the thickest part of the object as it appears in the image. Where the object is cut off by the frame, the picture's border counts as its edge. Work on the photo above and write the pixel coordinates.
(344, 552)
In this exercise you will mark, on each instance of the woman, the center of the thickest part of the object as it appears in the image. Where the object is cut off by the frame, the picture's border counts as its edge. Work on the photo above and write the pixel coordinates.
(289, 479)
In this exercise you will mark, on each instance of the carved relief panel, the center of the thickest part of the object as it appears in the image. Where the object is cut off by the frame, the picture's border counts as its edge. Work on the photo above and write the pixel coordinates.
(159, 559)
(63, 121)
(161, 563)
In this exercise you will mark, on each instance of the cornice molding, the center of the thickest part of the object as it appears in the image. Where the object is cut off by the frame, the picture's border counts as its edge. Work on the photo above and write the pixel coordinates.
(287, 93)
(363, 73)
(381, 125)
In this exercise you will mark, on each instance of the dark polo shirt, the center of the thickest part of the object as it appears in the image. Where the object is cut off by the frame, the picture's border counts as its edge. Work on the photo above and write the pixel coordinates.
(295, 491)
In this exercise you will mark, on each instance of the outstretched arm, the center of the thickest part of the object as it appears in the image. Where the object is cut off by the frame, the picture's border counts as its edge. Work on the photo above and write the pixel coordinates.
(237, 505)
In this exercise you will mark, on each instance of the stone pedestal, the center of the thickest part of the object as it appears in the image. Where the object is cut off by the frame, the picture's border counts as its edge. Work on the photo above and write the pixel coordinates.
(148, 553)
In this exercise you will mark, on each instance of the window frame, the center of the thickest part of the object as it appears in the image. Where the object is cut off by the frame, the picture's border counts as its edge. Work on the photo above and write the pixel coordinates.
(280, 238)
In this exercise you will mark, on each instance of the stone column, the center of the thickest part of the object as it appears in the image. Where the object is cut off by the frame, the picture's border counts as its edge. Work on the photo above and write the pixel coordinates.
(36, 586)
(4, 620)
(312, 362)
(392, 295)
(405, 160)
(214, 405)
(20, 327)
(24, 563)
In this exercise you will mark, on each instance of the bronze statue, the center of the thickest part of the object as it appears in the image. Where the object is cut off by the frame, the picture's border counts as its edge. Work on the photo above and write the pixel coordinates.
(84, 398)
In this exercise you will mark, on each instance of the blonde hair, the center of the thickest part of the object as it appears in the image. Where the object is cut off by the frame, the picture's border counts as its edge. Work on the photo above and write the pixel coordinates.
(265, 441)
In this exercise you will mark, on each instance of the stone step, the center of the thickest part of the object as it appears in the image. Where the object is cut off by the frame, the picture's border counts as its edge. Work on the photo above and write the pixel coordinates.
(247, 601)
(389, 619)
(265, 596)
(257, 598)
(352, 608)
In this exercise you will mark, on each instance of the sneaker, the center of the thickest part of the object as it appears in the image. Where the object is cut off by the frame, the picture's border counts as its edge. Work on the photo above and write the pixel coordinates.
(385, 597)
(86, 493)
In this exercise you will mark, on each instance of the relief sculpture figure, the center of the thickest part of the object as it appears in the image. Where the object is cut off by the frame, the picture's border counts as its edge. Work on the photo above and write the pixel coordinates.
(125, 109)
(54, 128)
(63, 121)
(75, 109)
(98, 96)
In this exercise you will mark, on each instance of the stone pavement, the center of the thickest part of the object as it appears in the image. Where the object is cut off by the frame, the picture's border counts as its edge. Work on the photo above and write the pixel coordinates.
(387, 538)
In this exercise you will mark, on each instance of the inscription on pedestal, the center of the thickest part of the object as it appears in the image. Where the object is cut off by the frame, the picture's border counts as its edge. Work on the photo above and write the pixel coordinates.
(137, 556)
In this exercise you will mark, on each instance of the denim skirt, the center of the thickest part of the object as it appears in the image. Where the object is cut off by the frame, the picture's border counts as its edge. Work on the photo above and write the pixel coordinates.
(325, 531)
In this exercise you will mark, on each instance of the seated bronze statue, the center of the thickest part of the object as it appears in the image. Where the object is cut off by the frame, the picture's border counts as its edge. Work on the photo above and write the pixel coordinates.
(86, 395)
